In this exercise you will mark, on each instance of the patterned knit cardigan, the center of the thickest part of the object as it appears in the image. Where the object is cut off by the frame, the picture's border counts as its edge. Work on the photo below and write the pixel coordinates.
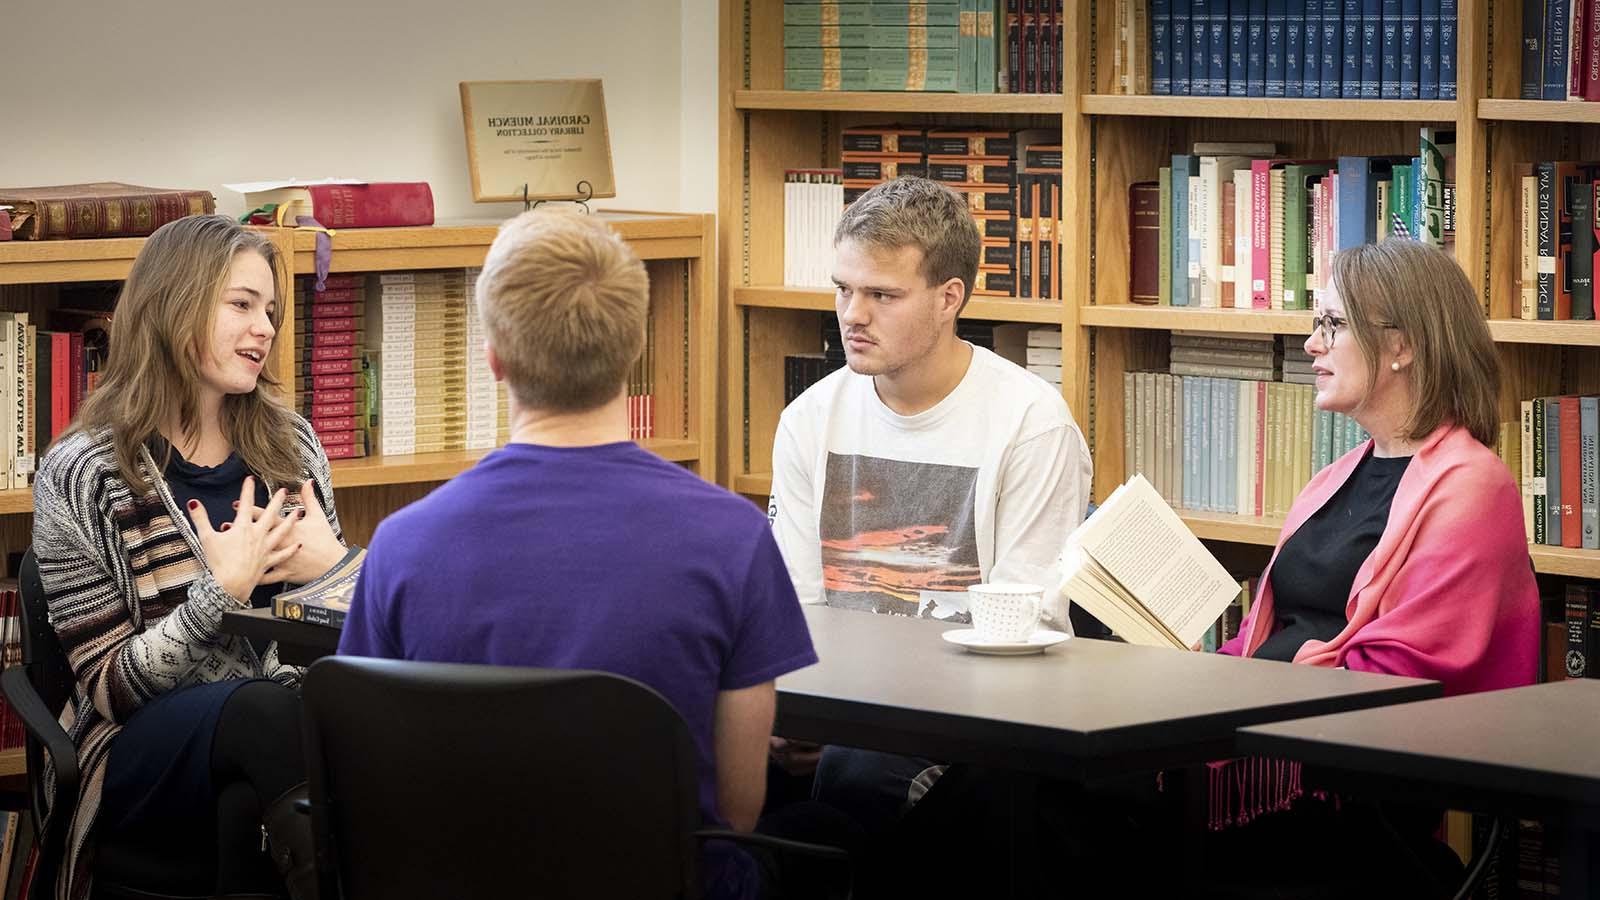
(134, 605)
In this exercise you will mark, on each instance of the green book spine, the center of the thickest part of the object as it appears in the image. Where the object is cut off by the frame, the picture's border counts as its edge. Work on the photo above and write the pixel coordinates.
(986, 67)
(967, 72)
(1298, 183)
(1165, 284)
(902, 14)
(826, 13)
(897, 36)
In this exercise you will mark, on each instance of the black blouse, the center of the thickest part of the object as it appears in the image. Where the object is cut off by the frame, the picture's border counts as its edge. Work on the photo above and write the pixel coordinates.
(1317, 566)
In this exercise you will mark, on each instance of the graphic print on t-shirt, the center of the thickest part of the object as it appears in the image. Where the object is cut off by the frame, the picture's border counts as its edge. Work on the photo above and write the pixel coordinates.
(898, 537)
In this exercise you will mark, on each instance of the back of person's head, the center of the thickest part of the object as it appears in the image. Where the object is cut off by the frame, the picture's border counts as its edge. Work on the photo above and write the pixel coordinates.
(564, 301)
(162, 326)
(1421, 292)
(917, 212)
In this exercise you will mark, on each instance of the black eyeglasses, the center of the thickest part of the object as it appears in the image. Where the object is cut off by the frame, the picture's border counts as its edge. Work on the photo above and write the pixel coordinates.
(1329, 325)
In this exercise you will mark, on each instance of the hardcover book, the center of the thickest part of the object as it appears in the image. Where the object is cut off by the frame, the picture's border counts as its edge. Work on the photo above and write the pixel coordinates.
(326, 600)
(96, 210)
(376, 205)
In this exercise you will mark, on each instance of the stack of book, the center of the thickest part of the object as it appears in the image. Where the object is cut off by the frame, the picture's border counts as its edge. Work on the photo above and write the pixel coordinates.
(1558, 240)
(1034, 347)
(642, 389)
(328, 338)
(1033, 55)
(813, 199)
(1296, 361)
(1556, 460)
(802, 370)
(488, 419)
(1330, 49)
(1239, 228)
(1560, 50)
(893, 45)
(1253, 357)
(420, 319)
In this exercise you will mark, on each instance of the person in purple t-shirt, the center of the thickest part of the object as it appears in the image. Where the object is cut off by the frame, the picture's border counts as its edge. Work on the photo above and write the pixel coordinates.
(571, 547)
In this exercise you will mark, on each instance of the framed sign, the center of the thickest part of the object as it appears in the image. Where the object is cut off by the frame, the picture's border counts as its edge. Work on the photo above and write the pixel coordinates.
(537, 140)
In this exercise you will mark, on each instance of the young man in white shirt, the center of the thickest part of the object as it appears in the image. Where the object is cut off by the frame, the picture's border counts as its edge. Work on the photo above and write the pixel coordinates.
(925, 466)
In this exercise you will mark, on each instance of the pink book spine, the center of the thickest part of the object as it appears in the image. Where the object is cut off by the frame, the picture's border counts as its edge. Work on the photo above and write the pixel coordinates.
(1260, 229)
(1591, 27)
(1578, 51)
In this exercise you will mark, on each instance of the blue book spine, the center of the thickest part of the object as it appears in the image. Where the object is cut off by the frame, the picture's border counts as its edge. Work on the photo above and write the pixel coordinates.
(1389, 62)
(1230, 445)
(1332, 48)
(1255, 57)
(1191, 447)
(1217, 66)
(1277, 12)
(1160, 46)
(1350, 50)
(1179, 59)
(1200, 47)
(1447, 49)
(1238, 48)
(1182, 167)
(1356, 201)
(1428, 52)
(1555, 49)
(1208, 445)
(1294, 44)
(1532, 49)
(1410, 48)
(1371, 45)
(1311, 58)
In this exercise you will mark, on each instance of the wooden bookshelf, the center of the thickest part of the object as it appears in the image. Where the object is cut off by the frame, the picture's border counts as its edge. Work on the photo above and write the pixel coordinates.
(1149, 106)
(1543, 111)
(442, 466)
(822, 300)
(13, 762)
(1180, 318)
(898, 102)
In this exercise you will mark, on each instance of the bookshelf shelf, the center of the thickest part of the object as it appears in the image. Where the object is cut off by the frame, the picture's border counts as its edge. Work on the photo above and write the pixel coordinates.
(1240, 321)
(13, 762)
(1557, 111)
(425, 467)
(1270, 109)
(821, 300)
(901, 102)
(33, 262)
(1563, 334)
(755, 484)
(1211, 526)
(1565, 561)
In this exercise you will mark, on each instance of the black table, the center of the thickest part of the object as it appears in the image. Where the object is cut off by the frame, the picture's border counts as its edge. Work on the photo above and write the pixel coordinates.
(299, 644)
(1531, 752)
(1084, 709)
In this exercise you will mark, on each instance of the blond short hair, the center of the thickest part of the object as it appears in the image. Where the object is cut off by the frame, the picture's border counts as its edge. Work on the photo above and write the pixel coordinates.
(1421, 292)
(916, 212)
(564, 301)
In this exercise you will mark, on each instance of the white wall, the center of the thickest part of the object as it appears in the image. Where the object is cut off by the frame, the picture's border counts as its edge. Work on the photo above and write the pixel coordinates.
(195, 93)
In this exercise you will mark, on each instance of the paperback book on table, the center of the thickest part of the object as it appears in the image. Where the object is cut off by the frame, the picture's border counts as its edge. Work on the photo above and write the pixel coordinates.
(326, 600)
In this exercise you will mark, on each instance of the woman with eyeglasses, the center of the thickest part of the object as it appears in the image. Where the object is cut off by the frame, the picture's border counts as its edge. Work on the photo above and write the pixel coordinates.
(1407, 555)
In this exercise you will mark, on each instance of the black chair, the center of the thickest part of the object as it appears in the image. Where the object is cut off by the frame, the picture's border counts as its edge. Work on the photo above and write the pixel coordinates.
(556, 783)
(38, 689)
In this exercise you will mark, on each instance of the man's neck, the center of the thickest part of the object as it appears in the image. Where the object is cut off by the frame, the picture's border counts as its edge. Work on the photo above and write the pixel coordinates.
(606, 424)
(920, 386)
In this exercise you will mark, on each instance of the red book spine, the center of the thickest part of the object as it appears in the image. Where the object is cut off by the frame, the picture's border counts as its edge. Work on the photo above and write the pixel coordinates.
(334, 351)
(1591, 27)
(372, 205)
(1144, 243)
(343, 423)
(75, 342)
(334, 366)
(338, 295)
(336, 395)
(333, 338)
(333, 382)
(1260, 234)
(1578, 50)
(342, 451)
(95, 217)
(336, 310)
(337, 323)
(322, 411)
(60, 383)
(1571, 474)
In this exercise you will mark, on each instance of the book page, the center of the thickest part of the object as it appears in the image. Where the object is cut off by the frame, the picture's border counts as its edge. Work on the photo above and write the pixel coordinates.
(1141, 543)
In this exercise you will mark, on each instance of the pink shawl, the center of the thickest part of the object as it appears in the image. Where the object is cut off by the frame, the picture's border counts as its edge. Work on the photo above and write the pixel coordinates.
(1448, 593)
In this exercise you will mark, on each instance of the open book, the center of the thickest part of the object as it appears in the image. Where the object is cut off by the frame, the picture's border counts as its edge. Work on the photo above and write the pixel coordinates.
(1137, 568)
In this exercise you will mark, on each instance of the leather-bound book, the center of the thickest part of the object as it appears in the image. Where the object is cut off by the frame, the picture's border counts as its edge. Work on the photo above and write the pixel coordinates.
(1144, 242)
(101, 209)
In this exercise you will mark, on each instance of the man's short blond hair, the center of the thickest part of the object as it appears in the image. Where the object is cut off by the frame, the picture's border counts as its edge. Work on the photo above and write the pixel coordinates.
(564, 301)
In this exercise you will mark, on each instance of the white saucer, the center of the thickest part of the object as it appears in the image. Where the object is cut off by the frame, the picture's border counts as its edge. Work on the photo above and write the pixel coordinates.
(1037, 642)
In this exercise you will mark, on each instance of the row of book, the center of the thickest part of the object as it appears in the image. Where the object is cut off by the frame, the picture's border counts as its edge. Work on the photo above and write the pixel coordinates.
(1557, 240)
(333, 386)
(813, 199)
(1560, 50)
(1010, 179)
(1227, 445)
(1330, 49)
(1556, 462)
(1035, 347)
(961, 46)
(1232, 226)
(44, 376)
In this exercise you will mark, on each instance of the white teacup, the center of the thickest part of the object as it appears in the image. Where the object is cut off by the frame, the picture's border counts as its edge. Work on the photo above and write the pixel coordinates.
(1005, 613)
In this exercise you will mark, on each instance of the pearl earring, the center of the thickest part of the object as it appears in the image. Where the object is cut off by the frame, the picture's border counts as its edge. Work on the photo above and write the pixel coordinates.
(1395, 366)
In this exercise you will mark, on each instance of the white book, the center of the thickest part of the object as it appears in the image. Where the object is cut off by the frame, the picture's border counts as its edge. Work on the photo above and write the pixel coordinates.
(1242, 257)
(1044, 337)
(1215, 173)
(1137, 568)
(1044, 356)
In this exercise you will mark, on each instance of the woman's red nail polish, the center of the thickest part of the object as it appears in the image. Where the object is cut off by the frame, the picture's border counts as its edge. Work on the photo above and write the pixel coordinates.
(226, 525)
(194, 504)
(235, 504)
